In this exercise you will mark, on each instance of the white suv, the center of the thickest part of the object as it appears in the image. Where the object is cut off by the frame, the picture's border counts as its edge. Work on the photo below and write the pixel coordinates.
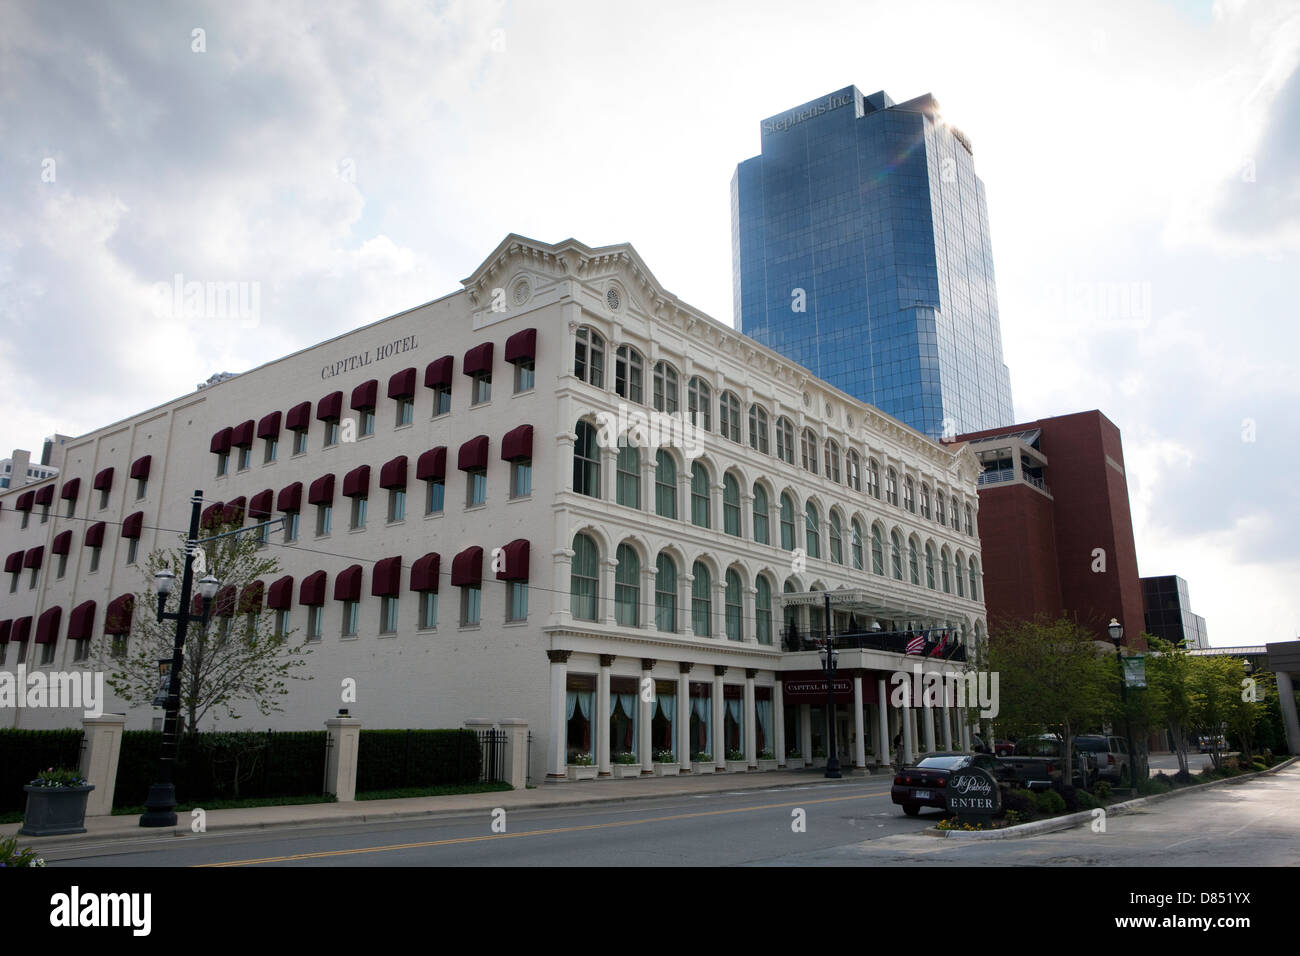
(1111, 753)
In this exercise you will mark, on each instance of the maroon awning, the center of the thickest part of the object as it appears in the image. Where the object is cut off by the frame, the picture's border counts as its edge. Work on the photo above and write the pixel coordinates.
(522, 346)
(321, 491)
(233, 512)
(250, 598)
(514, 566)
(269, 426)
(467, 567)
(95, 535)
(14, 562)
(347, 586)
(393, 474)
(473, 454)
(6, 627)
(365, 395)
(62, 543)
(22, 629)
(438, 372)
(478, 360)
(223, 605)
(312, 589)
(357, 482)
(424, 572)
(298, 418)
(132, 525)
(81, 622)
(402, 384)
(117, 619)
(432, 464)
(386, 581)
(329, 408)
(290, 498)
(213, 515)
(104, 480)
(242, 434)
(140, 467)
(279, 596)
(47, 626)
(220, 444)
(45, 496)
(34, 556)
(259, 506)
(27, 497)
(518, 444)
(71, 489)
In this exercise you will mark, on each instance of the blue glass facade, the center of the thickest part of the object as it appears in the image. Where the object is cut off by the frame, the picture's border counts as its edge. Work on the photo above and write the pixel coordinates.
(860, 247)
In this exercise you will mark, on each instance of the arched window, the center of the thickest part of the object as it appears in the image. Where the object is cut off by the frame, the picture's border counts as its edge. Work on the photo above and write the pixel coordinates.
(957, 575)
(970, 521)
(956, 514)
(628, 486)
(837, 539)
(896, 555)
(584, 582)
(699, 403)
(758, 428)
(627, 587)
(763, 610)
(730, 505)
(812, 530)
(943, 570)
(939, 514)
(785, 440)
(761, 507)
(856, 545)
(832, 460)
(699, 495)
(787, 522)
(891, 487)
(909, 494)
(729, 417)
(925, 501)
(665, 387)
(913, 562)
(808, 446)
(877, 550)
(666, 593)
(665, 485)
(629, 372)
(974, 582)
(853, 469)
(589, 357)
(586, 461)
(733, 607)
(873, 478)
(929, 566)
(701, 601)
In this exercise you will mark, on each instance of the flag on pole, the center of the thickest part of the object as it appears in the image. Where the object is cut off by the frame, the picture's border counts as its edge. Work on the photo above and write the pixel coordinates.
(916, 645)
(939, 646)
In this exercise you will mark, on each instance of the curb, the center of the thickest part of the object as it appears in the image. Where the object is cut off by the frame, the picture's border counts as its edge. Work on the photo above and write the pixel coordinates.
(1071, 820)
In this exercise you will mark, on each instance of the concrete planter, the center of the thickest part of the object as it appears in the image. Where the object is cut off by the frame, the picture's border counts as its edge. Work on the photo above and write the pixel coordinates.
(707, 767)
(626, 770)
(579, 772)
(737, 766)
(55, 810)
(667, 769)
(818, 762)
(767, 765)
(795, 763)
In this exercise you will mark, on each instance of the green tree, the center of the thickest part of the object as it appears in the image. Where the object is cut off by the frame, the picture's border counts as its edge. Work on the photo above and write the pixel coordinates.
(1214, 685)
(1169, 670)
(236, 662)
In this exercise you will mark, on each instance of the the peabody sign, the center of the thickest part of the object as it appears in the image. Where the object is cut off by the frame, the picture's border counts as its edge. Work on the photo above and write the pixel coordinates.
(973, 793)
(380, 352)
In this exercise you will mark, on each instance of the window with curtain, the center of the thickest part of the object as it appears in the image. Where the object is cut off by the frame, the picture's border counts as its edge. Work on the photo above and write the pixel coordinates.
(701, 601)
(758, 428)
(761, 531)
(808, 447)
(913, 565)
(787, 522)
(628, 468)
(663, 728)
(853, 470)
(896, 555)
(832, 460)
(877, 550)
(943, 572)
(584, 582)
(629, 370)
(873, 478)
(699, 495)
(665, 388)
(623, 714)
(589, 357)
(730, 505)
(729, 417)
(939, 515)
(763, 732)
(925, 501)
(974, 581)
(580, 706)
(929, 567)
(763, 610)
(701, 723)
(909, 495)
(785, 440)
(666, 593)
(586, 461)
(627, 587)
(665, 485)
(957, 569)
(970, 522)
(891, 487)
(699, 403)
(856, 545)
(837, 538)
(955, 518)
(812, 530)
(735, 631)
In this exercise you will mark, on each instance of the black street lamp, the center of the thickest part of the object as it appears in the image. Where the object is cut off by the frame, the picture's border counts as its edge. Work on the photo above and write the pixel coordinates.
(1116, 631)
(160, 807)
(830, 659)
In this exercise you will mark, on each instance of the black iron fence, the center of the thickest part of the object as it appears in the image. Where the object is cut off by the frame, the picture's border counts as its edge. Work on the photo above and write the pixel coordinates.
(493, 768)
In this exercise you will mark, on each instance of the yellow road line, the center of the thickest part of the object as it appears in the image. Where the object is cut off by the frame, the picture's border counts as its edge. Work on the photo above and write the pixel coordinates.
(321, 854)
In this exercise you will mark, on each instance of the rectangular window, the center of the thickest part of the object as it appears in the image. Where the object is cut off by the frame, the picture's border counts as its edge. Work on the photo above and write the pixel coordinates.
(22, 651)
(4, 653)
(13, 581)
(433, 502)
(31, 585)
(290, 526)
(517, 601)
(47, 653)
(388, 615)
(27, 517)
(358, 512)
(405, 411)
(281, 624)
(470, 598)
(521, 479)
(141, 488)
(428, 609)
(45, 513)
(272, 448)
(94, 561)
(263, 535)
(103, 500)
(80, 651)
(351, 609)
(397, 504)
(367, 422)
(245, 457)
(223, 630)
(132, 549)
(477, 488)
(525, 375)
(63, 565)
(119, 645)
(441, 400)
(72, 507)
(331, 434)
(482, 390)
(315, 619)
(300, 441)
(223, 463)
(324, 515)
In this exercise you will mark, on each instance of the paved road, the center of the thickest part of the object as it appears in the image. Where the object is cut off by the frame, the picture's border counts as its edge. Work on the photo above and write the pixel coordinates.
(848, 822)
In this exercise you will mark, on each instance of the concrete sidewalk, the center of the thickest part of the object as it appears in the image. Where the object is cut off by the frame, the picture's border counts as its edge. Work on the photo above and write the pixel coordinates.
(566, 794)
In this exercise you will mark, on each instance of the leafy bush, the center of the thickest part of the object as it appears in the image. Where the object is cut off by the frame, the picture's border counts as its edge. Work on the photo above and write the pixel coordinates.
(626, 758)
(767, 755)
(1102, 790)
(1049, 802)
(664, 756)
(24, 753)
(1087, 801)
(1021, 801)
(735, 755)
(702, 757)
(1070, 797)
(55, 777)
(388, 759)
(11, 856)
(1154, 786)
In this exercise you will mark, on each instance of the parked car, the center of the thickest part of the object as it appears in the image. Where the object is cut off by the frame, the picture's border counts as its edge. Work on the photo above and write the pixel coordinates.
(1208, 744)
(1004, 748)
(925, 783)
(1111, 754)
(1037, 763)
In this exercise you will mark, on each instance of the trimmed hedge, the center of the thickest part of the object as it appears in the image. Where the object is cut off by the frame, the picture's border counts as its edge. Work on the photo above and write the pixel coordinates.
(392, 759)
(25, 753)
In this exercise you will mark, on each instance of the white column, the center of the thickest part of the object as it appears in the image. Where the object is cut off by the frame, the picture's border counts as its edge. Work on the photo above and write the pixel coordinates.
(778, 720)
(718, 624)
(805, 732)
(556, 755)
(685, 605)
(906, 716)
(601, 717)
(684, 718)
(947, 724)
(564, 443)
(560, 595)
(608, 457)
(859, 725)
(1286, 698)
(648, 480)
(646, 612)
(746, 514)
(883, 754)
(719, 720)
(751, 722)
(927, 715)
(605, 599)
(647, 712)
(748, 613)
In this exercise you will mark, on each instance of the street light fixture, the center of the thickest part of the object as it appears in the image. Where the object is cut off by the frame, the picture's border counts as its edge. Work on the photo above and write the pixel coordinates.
(1116, 631)
(830, 660)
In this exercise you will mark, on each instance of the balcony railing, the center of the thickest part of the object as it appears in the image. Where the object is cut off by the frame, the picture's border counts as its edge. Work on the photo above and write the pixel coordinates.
(894, 642)
(1009, 474)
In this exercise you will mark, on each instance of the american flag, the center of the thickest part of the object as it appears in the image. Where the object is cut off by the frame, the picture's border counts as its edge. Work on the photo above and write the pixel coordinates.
(917, 644)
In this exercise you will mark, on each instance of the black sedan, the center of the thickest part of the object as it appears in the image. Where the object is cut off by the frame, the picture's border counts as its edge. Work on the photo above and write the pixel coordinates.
(925, 783)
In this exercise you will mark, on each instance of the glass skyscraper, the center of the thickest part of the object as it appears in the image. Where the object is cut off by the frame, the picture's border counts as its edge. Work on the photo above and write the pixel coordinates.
(860, 246)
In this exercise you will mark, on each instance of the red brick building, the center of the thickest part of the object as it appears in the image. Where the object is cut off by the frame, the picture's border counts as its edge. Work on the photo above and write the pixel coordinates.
(1054, 524)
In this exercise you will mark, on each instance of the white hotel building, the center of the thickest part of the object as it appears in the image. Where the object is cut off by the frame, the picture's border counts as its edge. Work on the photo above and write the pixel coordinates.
(619, 568)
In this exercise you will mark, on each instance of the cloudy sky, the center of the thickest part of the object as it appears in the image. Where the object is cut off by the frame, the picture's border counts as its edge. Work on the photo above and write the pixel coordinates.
(349, 160)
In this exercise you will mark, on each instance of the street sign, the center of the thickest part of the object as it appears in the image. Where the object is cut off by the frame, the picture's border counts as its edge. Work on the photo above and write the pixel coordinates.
(1135, 670)
(164, 682)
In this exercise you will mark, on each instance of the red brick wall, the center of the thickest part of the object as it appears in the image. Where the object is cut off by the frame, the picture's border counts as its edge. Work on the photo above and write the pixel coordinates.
(1018, 544)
